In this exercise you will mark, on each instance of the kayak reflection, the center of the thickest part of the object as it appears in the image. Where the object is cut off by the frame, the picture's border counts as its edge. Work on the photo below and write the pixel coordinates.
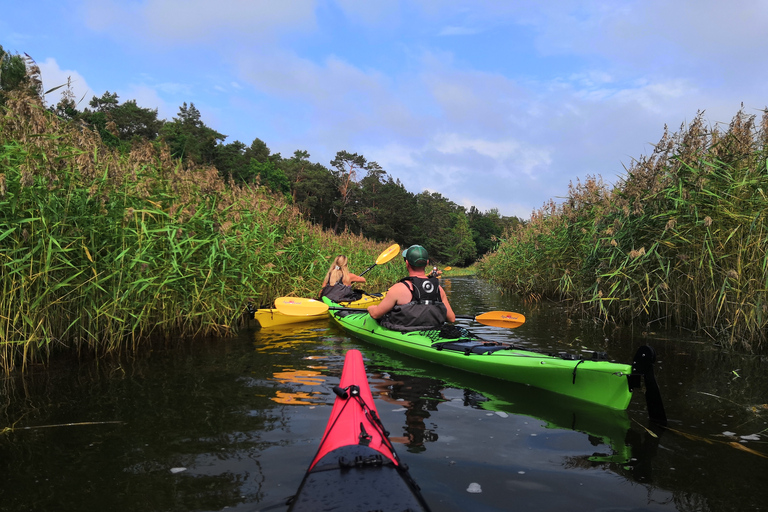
(607, 429)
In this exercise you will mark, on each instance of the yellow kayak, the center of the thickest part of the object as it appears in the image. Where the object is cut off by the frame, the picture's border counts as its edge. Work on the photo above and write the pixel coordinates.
(270, 317)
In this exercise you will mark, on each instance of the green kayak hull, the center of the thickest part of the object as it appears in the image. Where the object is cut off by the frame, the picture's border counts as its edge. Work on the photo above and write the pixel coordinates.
(597, 381)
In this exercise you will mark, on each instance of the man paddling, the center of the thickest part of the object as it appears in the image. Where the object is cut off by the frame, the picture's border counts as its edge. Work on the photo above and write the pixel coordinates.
(414, 303)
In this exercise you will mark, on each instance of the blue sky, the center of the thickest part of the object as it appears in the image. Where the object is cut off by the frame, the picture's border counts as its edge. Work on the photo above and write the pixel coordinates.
(493, 104)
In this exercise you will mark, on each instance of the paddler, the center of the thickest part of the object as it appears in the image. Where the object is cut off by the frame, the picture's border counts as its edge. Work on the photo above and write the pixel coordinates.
(416, 302)
(337, 284)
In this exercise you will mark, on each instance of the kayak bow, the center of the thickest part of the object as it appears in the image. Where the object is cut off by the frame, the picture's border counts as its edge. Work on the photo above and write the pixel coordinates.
(356, 467)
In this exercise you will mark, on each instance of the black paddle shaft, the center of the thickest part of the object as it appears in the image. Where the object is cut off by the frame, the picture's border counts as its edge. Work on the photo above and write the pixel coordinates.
(643, 365)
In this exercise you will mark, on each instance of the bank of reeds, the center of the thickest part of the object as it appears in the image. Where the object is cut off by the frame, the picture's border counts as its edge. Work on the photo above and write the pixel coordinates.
(680, 242)
(101, 251)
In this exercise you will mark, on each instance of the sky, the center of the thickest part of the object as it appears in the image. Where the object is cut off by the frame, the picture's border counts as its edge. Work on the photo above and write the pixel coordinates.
(493, 104)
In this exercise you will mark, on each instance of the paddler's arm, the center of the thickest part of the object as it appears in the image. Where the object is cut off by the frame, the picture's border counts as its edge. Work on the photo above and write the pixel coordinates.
(354, 278)
(450, 315)
(395, 292)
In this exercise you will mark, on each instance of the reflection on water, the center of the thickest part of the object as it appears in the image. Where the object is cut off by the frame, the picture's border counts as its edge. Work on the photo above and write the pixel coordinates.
(301, 377)
(296, 398)
(243, 417)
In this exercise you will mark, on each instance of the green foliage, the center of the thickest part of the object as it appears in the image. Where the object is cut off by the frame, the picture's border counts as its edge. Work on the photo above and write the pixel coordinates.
(313, 188)
(346, 167)
(272, 177)
(681, 241)
(230, 160)
(465, 250)
(486, 229)
(101, 251)
(16, 75)
(387, 209)
(189, 138)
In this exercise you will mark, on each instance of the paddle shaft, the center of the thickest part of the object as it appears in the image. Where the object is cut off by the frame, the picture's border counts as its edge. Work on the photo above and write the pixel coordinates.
(368, 269)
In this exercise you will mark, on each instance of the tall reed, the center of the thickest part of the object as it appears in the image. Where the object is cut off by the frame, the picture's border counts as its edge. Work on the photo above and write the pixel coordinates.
(680, 241)
(102, 251)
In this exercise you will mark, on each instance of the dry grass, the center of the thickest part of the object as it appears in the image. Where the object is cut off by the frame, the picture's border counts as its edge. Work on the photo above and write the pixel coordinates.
(680, 242)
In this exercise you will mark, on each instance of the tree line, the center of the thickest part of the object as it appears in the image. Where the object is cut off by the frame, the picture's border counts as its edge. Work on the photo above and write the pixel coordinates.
(351, 194)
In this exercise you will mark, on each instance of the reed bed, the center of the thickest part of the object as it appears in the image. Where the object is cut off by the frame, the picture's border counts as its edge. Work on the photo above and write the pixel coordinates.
(681, 241)
(102, 251)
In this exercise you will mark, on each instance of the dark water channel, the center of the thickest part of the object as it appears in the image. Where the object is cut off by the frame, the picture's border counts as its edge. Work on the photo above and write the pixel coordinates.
(233, 423)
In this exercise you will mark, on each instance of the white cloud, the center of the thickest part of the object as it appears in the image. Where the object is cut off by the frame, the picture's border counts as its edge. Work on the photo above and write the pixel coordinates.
(178, 22)
(54, 76)
(148, 97)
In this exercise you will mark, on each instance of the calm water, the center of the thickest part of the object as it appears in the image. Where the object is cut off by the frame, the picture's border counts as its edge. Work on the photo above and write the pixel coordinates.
(232, 424)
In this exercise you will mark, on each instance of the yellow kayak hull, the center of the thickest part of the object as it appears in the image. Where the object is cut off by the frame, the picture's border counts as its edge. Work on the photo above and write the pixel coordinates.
(270, 317)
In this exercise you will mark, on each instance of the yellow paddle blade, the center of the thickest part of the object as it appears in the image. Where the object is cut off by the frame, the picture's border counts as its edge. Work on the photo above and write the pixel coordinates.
(392, 251)
(296, 306)
(506, 319)
(446, 269)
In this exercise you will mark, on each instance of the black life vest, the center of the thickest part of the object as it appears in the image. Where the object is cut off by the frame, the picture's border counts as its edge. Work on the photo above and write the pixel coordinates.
(425, 310)
(340, 292)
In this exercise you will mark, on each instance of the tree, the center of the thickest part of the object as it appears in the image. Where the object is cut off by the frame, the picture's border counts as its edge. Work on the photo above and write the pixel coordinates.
(384, 205)
(313, 188)
(188, 137)
(230, 161)
(16, 75)
(486, 229)
(463, 247)
(346, 167)
(295, 170)
(437, 219)
(117, 124)
(258, 150)
(270, 176)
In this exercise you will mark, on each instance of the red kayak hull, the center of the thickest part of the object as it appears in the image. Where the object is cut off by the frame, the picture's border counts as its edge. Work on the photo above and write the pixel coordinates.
(344, 427)
(356, 467)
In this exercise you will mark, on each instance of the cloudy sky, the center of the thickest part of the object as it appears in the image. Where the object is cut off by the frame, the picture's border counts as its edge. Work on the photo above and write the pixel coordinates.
(493, 104)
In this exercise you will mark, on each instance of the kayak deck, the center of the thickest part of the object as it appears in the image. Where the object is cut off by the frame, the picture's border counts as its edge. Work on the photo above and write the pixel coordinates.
(271, 317)
(356, 467)
(593, 380)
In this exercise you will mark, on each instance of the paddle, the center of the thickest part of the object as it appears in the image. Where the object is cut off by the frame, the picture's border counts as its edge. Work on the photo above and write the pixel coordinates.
(506, 319)
(296, 306)
(436, 272)
(391, 251)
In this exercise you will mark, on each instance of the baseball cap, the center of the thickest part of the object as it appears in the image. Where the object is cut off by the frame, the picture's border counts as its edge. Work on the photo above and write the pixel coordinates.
(417, 256)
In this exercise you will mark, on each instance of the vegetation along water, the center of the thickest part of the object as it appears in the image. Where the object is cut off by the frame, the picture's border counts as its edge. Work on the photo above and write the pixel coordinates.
(115, 225)
(681, 242)
(101, 250)
(120, 232)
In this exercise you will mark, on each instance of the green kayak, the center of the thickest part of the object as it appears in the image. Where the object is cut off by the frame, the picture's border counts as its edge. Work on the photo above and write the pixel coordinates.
(593, 380)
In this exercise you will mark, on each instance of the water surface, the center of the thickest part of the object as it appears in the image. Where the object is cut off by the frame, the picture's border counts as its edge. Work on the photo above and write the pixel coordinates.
(233, 423)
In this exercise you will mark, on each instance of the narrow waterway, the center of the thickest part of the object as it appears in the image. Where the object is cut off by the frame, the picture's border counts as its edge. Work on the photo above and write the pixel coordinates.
(232, 424)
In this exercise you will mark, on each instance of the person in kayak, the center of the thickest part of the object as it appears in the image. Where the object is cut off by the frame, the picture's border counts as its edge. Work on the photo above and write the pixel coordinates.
(337, 284)
(414, 303)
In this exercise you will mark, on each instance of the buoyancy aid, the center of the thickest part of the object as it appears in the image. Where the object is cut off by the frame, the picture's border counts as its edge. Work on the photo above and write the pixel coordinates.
(425, 310)
(340, 292)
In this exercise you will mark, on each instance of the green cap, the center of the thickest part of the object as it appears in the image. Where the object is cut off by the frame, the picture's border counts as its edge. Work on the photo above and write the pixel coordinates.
(417, 256)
